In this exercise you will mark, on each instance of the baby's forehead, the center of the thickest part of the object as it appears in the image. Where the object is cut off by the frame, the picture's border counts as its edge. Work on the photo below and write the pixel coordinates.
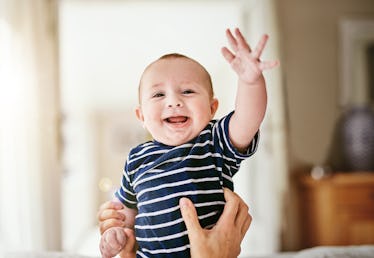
(167, 66)
(182, 62)
(177, 68)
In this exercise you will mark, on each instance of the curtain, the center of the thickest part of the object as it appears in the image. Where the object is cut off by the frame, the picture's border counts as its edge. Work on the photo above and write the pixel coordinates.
(263, 179)
(29, 164)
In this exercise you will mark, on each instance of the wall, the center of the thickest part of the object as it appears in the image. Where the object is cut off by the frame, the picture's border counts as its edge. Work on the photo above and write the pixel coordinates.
(310, 40)
(311, 61)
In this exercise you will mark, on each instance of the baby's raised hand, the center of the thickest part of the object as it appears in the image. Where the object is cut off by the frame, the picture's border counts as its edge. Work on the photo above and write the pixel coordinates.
(112, 242)
(245, 62)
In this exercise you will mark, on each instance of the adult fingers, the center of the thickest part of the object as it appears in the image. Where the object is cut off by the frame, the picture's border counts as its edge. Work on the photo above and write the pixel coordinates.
(246, 225)
(190, 218)
(113, 204)
(109, 223)
(243, 218)
(242, 213)
(230, 210)
(109, 205)
(110, 214)
(130, 246)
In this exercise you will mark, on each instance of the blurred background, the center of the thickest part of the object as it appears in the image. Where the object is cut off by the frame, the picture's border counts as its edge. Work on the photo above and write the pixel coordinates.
(69, 72)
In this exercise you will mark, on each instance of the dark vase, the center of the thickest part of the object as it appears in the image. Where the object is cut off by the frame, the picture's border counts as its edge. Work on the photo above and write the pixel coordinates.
(352, 148)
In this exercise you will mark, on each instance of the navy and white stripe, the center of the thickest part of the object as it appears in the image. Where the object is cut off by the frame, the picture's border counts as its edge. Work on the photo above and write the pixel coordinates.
(156, 176)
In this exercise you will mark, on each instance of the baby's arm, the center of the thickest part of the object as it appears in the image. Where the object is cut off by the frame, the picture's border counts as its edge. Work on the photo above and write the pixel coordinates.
(117, 239)
(251, 97)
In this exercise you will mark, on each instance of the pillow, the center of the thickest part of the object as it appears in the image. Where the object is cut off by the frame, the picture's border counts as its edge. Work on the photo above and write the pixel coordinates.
(362, 251)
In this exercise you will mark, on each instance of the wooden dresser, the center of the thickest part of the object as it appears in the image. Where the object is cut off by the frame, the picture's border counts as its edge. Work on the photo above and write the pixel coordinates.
(337, 210)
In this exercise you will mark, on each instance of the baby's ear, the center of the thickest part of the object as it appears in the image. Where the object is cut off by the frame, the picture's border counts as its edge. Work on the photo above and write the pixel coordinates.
(139, 114)
(213, 106)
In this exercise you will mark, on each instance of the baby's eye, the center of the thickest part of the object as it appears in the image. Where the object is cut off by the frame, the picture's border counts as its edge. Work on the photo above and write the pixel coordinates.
(188, 91)
(158, 95)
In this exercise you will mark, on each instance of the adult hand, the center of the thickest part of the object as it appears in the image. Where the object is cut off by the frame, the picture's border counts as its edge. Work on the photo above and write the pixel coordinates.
(110, 215)
(224, 239)
(129, 251)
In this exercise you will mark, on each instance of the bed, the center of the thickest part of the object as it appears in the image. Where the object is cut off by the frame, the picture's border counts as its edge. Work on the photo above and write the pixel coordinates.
(362, 251)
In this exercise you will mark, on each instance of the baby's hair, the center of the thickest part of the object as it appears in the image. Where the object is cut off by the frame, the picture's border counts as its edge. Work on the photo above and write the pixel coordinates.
(177, 55)
(173, 55)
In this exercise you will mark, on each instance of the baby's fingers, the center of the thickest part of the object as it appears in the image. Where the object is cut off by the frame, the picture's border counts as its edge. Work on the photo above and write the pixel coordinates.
(232, 41)
(121, 236)
(106, 249)
(260, 46)
(237, 42)
(227, 54)
(268, 64)
(115, 239)
(242, 43)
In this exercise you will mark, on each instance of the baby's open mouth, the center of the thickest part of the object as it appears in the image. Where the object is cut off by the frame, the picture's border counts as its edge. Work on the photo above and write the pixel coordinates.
(177, 119)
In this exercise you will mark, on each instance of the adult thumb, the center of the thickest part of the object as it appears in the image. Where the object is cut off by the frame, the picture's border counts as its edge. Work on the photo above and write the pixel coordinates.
(190, 218)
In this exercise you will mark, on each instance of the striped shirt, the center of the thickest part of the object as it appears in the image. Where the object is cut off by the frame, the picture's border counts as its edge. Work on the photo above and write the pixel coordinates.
(156, 176)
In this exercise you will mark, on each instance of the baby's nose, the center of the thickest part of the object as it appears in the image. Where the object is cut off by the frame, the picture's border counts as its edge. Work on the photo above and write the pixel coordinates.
(175, 102)
(175, 105)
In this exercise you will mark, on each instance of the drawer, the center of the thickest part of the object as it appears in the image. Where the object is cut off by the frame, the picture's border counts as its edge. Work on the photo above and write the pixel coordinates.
(337, 210)
(354, 196)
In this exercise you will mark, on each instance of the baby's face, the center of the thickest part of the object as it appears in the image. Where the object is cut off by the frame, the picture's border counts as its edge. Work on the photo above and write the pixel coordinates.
(176, 101)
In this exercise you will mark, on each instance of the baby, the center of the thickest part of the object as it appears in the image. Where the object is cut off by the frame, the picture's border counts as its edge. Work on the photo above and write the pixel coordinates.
(191, 155)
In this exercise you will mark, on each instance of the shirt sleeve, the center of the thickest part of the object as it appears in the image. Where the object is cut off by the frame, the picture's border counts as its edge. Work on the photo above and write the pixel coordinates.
(231, 155)
(126, 193)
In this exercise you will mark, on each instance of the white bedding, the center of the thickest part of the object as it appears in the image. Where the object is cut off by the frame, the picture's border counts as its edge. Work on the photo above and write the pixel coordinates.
(364, 251)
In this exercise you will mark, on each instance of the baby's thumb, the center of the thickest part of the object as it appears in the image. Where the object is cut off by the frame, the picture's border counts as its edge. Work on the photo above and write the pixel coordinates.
(190, 218)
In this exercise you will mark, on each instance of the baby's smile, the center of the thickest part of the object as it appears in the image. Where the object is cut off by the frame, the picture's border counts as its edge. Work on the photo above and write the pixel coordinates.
(177, 119)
